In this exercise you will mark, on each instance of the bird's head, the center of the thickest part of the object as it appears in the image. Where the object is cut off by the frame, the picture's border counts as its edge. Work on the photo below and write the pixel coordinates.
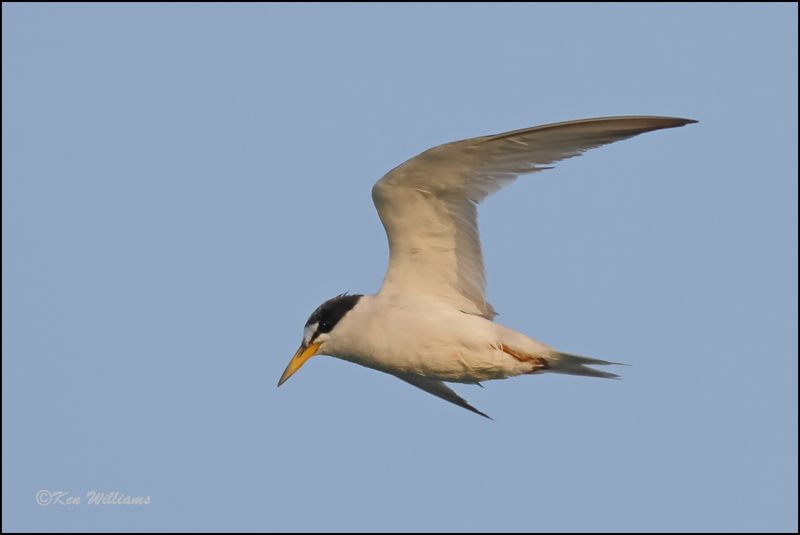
(319, 329)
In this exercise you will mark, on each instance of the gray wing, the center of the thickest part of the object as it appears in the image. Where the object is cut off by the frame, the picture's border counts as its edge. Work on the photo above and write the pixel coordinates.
(441, 390)
(428, 205)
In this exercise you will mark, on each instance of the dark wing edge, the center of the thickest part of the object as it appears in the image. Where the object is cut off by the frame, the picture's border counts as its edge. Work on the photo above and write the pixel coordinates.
(440, 390)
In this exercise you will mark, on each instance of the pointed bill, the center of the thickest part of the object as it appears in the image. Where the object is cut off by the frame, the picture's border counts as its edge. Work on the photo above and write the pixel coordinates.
(300, 357)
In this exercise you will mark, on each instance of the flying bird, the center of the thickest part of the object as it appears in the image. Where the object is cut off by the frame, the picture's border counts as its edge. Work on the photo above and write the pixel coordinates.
(430, 322)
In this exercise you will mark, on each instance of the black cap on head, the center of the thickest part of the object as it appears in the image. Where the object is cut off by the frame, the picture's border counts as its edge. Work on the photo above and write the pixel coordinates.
(329, 313)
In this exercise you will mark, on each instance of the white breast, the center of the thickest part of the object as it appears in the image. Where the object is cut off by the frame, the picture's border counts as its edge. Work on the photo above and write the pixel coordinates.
(400, 335)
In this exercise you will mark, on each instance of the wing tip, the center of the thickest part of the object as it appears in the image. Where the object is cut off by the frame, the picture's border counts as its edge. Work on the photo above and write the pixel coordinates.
(657, 122)
(682, 121)
(476, 411)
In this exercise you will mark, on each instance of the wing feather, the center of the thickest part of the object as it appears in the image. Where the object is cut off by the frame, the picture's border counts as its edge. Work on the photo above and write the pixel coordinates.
(428, 204)
(440, 390)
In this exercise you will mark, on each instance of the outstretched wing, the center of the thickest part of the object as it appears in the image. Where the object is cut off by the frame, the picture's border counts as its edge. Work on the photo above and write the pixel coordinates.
(441, 390)
(428, 205)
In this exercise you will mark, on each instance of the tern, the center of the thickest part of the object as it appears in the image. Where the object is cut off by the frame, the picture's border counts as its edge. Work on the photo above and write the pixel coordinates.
(430, 322)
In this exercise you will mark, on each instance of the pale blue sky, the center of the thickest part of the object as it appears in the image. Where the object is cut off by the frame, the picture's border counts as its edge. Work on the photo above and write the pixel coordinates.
(184, 184)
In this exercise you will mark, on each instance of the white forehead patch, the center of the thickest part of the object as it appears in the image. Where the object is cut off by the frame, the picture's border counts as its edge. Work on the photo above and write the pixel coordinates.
(308, 332)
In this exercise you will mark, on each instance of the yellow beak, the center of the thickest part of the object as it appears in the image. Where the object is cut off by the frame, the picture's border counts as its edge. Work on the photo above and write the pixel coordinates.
(299, 358)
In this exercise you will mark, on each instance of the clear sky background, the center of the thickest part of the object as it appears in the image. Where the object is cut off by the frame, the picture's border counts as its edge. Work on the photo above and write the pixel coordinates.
(184, 184)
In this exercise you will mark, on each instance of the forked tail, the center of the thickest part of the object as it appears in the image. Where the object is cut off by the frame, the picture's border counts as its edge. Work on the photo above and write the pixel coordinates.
(575, 365)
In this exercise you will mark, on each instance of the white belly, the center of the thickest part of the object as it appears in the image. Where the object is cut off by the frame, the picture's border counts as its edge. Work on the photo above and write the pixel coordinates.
(402, 336)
